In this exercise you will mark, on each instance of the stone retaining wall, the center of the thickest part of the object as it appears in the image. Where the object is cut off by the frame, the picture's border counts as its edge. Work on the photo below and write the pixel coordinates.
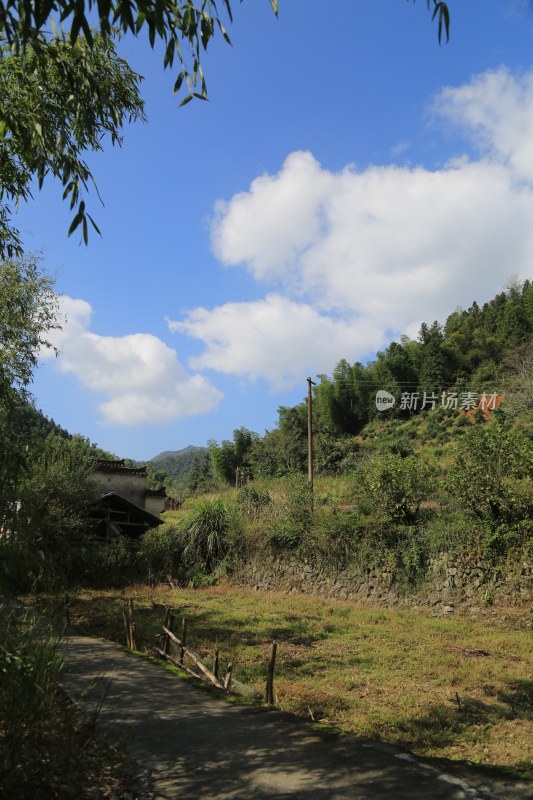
(467, 582)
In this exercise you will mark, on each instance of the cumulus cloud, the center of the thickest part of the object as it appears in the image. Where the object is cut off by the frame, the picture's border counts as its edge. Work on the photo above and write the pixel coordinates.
(352, 258)
(139, 374)
(274, 338)
(289, 204)
(496, 110)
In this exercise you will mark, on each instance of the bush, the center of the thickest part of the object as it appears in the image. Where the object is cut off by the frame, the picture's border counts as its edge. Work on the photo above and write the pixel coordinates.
(253, 502)
(411, 555)
(23, 569)
(47, 750)
(292, 515)
(397, 486)
(334, 535)
(112, 562)
(491, 476)
(207, 533)
(28, 697)
(160, 555)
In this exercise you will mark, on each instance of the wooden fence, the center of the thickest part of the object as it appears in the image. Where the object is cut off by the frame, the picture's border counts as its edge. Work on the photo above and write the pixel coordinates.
(176, 651)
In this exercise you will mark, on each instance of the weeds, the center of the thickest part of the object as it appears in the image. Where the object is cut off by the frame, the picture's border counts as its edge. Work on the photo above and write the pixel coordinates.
(390, 675)
(206, 534)
(46, 749)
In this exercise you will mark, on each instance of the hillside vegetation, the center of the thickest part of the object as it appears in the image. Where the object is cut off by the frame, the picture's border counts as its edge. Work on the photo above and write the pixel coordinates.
(446, 469)
(450, 369)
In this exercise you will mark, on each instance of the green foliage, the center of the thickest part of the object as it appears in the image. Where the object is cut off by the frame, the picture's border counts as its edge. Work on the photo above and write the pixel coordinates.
(492, 477)
(90, 94)
(397, 486)
(206, 534)
(410, 555)
(160, 555)
(468, 353)
(337, 455)
(27, 314)
(282, 451)
(292, 515)
(50, 531)
(232, 461)
(56, 493)
(200, 477)
(28, 665)
(334, 536)
(253, 502)
(28, 308)
(183, 27)
(110, 563)
(46, 749)
(519, 392)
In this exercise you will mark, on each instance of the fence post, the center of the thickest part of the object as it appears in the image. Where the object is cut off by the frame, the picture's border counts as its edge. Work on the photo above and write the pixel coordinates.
(227, 679)
(183, 638)
(67, 610)
(269, 690)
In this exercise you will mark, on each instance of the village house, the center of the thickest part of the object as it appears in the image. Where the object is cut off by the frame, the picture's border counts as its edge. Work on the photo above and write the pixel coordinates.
(125, 506)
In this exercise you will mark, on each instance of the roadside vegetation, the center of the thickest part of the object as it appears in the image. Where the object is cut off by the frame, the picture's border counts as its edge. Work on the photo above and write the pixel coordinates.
(453, 688)
(47, 750)
(392, 491)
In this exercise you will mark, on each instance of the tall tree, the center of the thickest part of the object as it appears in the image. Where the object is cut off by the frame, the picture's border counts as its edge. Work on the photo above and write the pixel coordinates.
(27, 315)
(28, 308)
(232, 461)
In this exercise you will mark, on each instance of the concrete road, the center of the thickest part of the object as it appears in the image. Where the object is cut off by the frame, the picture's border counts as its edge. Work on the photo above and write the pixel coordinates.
(192, 745)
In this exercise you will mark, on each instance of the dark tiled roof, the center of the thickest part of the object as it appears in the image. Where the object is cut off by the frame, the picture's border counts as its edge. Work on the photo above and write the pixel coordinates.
(117, 467)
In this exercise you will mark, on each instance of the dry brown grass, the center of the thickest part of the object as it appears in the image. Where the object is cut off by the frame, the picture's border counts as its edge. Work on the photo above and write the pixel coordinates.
(455, 688)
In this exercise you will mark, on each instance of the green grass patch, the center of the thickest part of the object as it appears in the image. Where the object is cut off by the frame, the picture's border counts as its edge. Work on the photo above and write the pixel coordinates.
(393, 675)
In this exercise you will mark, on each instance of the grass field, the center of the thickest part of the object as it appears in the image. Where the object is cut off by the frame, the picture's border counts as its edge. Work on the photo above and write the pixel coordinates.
(453, 688)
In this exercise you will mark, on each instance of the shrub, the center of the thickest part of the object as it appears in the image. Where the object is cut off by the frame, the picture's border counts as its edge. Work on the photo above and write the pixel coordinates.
(207, 533)
(160, 554)
(113, 561)
(491, 476)
(411, 555)
(292, 515)
(334, 535)
(252, 502)
(28, 665)
(23, 569)
(397, 486)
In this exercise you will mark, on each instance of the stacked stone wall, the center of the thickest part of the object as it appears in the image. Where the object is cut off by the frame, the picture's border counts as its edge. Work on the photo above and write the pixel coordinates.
(451, 583)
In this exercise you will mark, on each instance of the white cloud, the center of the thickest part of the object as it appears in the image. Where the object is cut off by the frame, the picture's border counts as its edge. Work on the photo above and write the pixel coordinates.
(496, 110)
(359, 255)
(289, 204)
(138, 373)
(273, 338)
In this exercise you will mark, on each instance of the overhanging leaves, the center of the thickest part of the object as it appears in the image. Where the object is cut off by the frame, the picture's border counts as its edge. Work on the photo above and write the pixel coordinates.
(54, 106)
(89, 90)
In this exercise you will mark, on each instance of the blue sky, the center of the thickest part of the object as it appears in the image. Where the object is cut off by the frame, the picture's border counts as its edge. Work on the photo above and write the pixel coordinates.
(348, 179)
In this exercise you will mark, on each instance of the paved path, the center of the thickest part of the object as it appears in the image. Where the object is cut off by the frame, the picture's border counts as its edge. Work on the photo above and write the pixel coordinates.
(191, 745)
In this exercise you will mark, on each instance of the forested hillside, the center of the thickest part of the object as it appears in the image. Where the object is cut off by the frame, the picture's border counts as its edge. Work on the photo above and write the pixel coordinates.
(441, 467)
(477, 356)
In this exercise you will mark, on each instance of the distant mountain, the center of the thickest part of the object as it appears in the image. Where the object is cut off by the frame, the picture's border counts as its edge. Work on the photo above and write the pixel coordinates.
(178, 462)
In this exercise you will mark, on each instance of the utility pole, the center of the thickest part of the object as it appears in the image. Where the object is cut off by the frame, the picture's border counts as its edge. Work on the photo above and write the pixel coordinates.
(310, 434)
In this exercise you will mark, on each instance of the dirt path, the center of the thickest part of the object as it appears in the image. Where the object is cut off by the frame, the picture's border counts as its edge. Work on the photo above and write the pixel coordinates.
(191, 745)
